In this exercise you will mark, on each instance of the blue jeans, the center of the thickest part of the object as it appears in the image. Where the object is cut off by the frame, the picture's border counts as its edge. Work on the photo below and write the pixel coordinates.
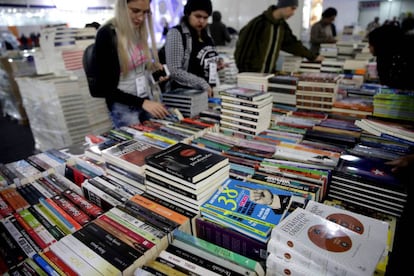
(125, 115)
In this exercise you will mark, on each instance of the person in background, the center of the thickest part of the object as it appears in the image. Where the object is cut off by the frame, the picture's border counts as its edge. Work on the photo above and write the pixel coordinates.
(219, 30)
(373, 25)
(260, 41)
(407, 25)
(193, 63)
(93, 24)
(123, 69)
(321, 31)
(395, 59)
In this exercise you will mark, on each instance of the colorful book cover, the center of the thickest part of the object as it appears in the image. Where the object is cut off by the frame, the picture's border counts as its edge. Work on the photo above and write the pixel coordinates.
(253, 205)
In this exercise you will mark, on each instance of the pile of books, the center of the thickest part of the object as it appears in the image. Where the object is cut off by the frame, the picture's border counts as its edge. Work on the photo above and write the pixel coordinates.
(185, 175)
(324, 240)
(190, 102)
(316, 91)
(283, 89)
(253, 80)
(245, 111)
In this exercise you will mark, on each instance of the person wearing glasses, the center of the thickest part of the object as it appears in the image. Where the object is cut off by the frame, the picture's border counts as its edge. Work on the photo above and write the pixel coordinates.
(125, 61)
(190, 53)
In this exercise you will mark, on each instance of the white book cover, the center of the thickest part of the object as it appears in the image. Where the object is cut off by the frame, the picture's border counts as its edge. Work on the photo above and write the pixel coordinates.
(322, 240)
(367, 227)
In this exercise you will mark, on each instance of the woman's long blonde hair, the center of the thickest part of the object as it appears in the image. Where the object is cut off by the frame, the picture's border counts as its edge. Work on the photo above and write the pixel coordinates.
(128, 35)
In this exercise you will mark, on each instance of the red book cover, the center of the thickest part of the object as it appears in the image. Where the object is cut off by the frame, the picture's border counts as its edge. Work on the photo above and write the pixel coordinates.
(36, 238)
(73, 211)
(88, 207)
(59, 263)
(75, 224)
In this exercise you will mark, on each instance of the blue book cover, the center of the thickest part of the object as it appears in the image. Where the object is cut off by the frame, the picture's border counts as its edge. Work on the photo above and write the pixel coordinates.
(250, 206)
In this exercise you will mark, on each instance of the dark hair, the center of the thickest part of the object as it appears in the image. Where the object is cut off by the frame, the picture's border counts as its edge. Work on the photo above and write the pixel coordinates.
(216, 16)
(385, 39)
(329, 12)
(195, 5)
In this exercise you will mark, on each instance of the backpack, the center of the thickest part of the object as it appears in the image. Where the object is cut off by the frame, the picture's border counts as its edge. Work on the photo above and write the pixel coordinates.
(161, 51)
(89, 66)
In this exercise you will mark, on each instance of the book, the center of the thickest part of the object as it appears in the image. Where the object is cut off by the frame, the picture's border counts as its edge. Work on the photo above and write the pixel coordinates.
(244, 93)
(91, 257)
(44, 265)
(257, 206)
(72, 259)
(181, 220)
(130, 154)
(328, 243)
(367, 227)
(88, 207)
(41, 231)
(187, 162)
(182, 239)
(230, 239)
(59, 262)
(56, 232)
(11, 252)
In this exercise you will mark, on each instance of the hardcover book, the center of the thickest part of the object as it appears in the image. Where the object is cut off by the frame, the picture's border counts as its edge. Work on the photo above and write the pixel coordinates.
(329, 244)
(187, 162)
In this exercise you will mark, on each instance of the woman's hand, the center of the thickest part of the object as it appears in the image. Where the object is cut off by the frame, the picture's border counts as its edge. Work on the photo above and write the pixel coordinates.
(156, 109)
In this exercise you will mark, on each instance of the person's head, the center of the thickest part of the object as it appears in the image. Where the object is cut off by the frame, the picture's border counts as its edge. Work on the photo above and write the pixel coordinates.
(329, 15)
(384, 39)
(216, 16)
(286, 8)
(376, 19)
(197, 13)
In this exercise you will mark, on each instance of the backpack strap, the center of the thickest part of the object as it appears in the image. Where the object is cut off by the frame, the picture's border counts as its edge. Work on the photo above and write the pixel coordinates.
(186, 39)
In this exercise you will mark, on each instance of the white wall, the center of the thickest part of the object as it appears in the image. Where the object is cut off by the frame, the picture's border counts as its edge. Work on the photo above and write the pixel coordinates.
(347, 12)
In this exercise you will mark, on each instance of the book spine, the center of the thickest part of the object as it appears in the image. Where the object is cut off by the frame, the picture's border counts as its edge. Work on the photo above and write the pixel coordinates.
(16, 246)
(53, 220)
(29, 197)
(124, 230)
(63, 213)
(111, 192)
(99, 197)
(173, 253)
(49, 207)
(37, 227)
(94, 259)
(148, 231)
(216, 250)
(45, 192)
(97, 241)
(88, 207)
(191, 265)
(73, 260)
(59, 262)
(45, 265)
(35, 267)
(51, 263)
(36, 238)
(24, 233)
(72, 210)
(55, 231)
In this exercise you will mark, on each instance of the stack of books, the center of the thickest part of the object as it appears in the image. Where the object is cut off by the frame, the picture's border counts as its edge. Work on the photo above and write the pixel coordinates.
(322, 241)
(283, 89)
(126, 160)
(368, 182)
(245, 111)
(291, 64)
(329, 50)
(332, 66)
(190, 102)
(253, 80)
(393, 104)
(310, 67)
(185, 175)
(316, 91)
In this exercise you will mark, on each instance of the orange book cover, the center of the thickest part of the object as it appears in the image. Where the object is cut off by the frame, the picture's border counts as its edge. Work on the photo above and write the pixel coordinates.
(159, 209)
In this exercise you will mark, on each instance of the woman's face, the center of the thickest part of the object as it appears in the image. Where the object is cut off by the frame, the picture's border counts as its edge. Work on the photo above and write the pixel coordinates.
(138, 10)
(198, 20)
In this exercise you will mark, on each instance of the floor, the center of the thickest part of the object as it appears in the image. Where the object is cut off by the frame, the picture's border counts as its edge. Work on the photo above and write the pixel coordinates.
(16, 140)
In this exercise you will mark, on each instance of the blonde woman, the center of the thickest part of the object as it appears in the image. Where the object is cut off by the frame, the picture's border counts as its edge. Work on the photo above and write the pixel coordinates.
(125, 61)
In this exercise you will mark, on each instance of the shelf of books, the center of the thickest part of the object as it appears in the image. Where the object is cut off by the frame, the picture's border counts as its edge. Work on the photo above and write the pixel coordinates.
(266, 190)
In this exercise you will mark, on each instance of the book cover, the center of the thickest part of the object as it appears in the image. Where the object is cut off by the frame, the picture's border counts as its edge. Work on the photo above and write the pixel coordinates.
(187, 162)
(244, 93)
(130, 153)
(367, 227)
(326, 242)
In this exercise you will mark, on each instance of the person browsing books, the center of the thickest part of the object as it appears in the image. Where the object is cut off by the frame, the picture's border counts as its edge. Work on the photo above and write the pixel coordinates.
(260, 41)
(321, 31)
(394, 56)
(219, 30)
(193, 63)
(123, 68)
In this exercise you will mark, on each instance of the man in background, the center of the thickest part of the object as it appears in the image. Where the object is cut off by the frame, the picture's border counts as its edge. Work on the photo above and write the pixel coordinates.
(218, 30)
(321, 31)
(261, 40)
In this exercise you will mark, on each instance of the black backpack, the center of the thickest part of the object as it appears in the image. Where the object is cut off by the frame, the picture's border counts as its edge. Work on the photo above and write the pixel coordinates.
(89, 66)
